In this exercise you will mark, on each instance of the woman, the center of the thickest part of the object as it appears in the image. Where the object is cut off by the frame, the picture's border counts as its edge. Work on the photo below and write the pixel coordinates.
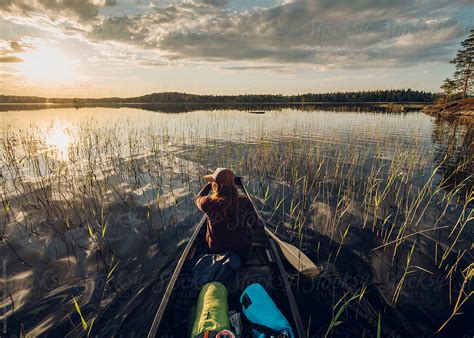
(229, 214)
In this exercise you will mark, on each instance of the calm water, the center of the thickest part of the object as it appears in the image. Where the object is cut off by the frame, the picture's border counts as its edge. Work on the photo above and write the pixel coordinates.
(94, 193)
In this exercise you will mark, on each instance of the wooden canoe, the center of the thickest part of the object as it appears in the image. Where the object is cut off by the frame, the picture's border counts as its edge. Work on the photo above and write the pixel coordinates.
(264, 266)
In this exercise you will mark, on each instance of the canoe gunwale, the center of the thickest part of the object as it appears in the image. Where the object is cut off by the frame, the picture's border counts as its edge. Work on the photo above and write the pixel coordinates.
(169, 289)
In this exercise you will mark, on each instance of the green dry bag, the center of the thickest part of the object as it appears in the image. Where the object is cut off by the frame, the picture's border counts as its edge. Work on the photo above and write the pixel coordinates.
(212, 311)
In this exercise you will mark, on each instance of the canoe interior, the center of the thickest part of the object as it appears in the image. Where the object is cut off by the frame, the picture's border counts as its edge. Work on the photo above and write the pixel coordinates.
(260, 267)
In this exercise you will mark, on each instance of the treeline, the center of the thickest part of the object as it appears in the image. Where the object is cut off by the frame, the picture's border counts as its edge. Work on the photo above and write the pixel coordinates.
(22, 99)
(377, 96)
(399, 95)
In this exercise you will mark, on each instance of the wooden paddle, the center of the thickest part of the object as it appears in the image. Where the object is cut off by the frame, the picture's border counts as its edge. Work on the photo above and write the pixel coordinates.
(294, 256)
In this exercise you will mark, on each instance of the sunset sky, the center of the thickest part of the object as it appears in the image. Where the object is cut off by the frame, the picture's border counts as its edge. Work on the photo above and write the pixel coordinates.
(99, 48)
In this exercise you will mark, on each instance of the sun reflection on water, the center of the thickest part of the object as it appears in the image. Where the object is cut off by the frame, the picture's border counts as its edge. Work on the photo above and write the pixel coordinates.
(58, 138)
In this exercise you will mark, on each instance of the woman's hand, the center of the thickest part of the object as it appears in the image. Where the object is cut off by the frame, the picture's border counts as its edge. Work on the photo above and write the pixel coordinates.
(205, 190)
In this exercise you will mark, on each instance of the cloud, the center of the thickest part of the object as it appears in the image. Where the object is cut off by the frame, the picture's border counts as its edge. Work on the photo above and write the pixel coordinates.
(19, 47)
(83, 10)
(9, 48)
(334, 33)
(272, 68)
(147, 30)
(16, 47)
(217, 3)
(122, 29)
(10, 59)
(319, 33)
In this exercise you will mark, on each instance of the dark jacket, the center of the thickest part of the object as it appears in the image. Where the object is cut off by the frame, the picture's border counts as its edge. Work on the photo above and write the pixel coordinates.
(228, 231)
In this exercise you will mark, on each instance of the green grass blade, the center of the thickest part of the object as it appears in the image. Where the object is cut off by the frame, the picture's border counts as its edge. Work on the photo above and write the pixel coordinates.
(78, 309)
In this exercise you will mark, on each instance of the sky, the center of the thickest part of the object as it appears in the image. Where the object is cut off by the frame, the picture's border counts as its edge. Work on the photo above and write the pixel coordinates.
(102, 48)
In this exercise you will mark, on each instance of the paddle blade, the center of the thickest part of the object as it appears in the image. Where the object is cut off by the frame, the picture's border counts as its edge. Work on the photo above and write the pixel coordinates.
(296, 257)
(299, 260)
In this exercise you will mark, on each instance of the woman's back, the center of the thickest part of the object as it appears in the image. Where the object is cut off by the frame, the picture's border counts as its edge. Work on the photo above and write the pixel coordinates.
(231, 217)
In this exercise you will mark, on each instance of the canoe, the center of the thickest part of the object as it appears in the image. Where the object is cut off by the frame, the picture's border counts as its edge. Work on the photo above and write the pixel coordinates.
(264, 266)
(256, 112)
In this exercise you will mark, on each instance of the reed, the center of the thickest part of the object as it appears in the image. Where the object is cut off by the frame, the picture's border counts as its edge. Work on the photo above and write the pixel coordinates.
(338, 310)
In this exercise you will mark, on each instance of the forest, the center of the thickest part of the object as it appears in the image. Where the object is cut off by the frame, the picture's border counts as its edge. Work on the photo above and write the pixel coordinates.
(376, 96)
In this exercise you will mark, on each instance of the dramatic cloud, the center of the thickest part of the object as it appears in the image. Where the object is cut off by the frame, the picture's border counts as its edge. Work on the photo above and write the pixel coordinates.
(330, 33)
(55, 9)
(322, 33)
(304, 37)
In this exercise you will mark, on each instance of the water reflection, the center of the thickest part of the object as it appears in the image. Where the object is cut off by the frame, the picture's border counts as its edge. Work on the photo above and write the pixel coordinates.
(454, 154)
(58, 138)
(189, 107)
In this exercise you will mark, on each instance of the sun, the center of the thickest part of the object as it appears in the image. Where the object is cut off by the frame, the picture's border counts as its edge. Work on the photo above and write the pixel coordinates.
(48, 65)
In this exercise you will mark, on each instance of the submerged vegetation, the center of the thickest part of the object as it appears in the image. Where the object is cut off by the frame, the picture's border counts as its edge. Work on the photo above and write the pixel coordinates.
(91, 225)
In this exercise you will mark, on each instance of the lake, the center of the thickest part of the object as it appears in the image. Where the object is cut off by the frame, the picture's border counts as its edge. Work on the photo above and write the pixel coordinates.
(98, 204)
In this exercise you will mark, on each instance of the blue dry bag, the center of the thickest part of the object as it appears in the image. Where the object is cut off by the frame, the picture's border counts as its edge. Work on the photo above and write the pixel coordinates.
(267, 320)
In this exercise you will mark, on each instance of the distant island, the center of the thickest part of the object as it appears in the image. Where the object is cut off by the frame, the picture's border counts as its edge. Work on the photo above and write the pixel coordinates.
(376, 96)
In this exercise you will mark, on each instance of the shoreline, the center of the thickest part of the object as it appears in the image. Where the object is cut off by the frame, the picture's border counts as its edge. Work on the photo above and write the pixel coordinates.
(453, 111)
(173, 107)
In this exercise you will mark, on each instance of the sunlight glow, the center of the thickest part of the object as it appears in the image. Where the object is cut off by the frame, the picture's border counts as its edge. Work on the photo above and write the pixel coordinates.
(59, 139)
(48, 64)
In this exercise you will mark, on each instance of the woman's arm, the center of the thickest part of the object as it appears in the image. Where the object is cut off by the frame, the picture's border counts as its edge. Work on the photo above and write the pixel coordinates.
(202, 196)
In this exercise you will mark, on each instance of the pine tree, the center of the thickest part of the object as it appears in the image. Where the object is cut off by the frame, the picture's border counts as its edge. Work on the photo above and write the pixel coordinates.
(448, 87)
(463, 76)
